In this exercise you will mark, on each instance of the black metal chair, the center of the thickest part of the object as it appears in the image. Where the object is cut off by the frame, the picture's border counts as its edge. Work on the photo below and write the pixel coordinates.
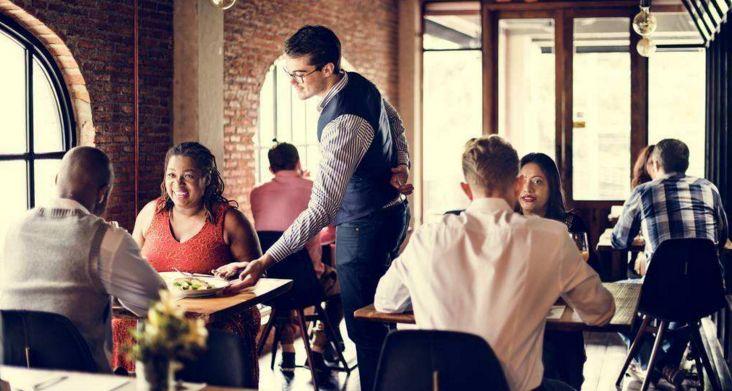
(416, 360)
(305, 292)
(44, 340)
(225, 363)
(683, 284)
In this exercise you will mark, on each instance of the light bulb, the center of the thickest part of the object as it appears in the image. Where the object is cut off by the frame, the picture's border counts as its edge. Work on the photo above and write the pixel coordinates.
(645, 47)
(644, 23)
(223, 4)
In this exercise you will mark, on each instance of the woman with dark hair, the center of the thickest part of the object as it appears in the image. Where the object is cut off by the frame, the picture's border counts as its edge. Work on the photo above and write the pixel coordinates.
(193, 228)
(564, 351)
(643, 165)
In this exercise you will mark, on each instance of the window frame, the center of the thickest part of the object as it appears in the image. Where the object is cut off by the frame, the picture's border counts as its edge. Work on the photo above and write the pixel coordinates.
(34, 49)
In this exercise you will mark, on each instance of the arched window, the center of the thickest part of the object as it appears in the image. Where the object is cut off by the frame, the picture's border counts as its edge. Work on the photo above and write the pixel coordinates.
(282, 115)
(38, 125)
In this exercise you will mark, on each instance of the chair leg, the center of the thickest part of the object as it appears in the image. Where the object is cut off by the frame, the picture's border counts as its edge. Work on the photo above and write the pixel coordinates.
(656, 347)
(276, 341)
(637, 341)
(306, 341)
(267, 330)
(699, 347)
(332, 338)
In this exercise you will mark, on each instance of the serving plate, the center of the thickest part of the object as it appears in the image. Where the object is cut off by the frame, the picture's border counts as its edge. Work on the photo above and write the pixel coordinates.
(217, 284)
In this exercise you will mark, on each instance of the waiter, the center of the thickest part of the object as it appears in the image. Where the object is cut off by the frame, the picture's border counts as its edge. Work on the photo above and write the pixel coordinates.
(363, 174)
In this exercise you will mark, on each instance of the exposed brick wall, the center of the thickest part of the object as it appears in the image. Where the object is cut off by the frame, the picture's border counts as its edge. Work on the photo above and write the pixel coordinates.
(99, 35)
(254, 32)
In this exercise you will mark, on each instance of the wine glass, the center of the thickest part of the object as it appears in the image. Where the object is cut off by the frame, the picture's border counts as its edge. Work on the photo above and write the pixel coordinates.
(580, 239)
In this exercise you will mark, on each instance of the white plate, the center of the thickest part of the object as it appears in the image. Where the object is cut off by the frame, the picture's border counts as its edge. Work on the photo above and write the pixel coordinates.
(217, 284)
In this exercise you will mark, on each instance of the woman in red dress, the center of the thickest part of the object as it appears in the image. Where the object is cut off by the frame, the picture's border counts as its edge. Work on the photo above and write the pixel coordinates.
(193, 228)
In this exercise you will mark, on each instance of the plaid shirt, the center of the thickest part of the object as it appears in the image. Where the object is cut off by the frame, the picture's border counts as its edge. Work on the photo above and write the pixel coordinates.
(673, 207)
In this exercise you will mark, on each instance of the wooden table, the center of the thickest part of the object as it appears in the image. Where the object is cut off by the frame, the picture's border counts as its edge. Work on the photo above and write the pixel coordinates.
(626, 300)
(266, 289)
(25, 378)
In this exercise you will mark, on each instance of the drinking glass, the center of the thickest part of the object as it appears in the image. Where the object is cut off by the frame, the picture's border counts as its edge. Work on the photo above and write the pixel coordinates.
(580, 239)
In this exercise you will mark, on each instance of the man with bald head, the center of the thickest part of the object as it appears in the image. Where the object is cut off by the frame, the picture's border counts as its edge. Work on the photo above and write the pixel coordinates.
(65, 259)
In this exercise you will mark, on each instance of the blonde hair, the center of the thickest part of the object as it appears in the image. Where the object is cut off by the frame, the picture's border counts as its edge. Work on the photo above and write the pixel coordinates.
(490, 162)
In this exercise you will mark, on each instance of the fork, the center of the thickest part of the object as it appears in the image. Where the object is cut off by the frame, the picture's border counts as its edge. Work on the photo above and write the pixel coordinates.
(185, 274)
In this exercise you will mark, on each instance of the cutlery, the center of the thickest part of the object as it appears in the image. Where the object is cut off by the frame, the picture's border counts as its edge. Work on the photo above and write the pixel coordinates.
(49, 382)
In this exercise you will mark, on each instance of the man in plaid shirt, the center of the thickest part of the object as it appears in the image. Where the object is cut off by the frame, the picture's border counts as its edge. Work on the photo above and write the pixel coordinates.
(671, 206)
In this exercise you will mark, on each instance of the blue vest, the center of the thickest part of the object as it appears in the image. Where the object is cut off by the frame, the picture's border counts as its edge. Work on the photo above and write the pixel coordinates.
(369, 188)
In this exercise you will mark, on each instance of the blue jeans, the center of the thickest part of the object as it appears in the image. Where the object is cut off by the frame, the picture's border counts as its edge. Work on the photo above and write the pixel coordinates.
(365, 248)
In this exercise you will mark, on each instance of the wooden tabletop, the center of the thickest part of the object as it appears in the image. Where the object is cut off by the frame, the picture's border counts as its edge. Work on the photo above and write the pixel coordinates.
(626, 300)
(23, 378)
(603, 242)
(266, 289)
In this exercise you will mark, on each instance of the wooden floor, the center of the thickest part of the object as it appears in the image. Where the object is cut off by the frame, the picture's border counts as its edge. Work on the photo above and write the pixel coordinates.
(605, 355)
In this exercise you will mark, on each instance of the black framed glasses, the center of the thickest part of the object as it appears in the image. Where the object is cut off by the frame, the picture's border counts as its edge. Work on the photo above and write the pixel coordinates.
(299, 76)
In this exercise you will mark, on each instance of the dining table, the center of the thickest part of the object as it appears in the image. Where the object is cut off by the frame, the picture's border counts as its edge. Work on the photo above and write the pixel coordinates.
(26, 379)
(561, 316)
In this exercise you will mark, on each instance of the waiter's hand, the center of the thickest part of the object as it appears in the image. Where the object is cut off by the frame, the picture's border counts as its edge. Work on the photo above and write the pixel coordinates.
(251, 273)
(399, 177)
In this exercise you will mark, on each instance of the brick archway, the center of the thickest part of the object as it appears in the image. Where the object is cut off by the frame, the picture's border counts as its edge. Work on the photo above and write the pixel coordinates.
(80, 101)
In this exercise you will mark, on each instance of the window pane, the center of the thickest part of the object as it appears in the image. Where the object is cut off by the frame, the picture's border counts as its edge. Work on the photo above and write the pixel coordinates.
(312, 159)
(266, 110)
(12, 175)
(452, 31)
(671, 75)
(45, 180)
(601, 132)
(284, 106)
(13, 96)
(452, 115)
(675, 28)
(526, 96)
(47, 132)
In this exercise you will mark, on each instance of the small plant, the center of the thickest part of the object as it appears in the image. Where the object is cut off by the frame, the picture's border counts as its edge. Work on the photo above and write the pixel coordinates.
(166, 335)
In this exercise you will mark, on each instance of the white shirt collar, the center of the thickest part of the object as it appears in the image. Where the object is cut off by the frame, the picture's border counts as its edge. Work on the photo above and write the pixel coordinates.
(489, 205)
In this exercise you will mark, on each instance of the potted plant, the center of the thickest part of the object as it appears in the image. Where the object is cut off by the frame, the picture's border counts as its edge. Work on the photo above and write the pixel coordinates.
(163, 338)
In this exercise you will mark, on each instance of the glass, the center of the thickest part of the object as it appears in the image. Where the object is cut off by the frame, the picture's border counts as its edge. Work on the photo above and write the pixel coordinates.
(671, 75)
(452, 31)
(601, 126)
(675, 28)
(452, 114)
(526, 84)
(15, 202)
(580, 239)
(299, 76)
(45, 179)
(13, 96)
(47, 131)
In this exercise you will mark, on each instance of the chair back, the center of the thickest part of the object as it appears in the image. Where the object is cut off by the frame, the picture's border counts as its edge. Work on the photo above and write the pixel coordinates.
(306, 289)
(684, 281)
(43, 340)
(225, 363)
(413, 360)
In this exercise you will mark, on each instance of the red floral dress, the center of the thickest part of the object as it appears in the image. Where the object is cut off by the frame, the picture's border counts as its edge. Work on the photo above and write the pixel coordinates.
(203, 252)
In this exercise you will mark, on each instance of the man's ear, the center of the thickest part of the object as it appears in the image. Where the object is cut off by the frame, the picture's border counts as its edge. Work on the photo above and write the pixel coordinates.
(467, 190)
(328, 69)
(103, 194)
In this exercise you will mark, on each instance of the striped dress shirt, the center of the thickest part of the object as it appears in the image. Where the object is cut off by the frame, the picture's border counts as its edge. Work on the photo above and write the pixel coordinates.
(343, 144)
(673, 207)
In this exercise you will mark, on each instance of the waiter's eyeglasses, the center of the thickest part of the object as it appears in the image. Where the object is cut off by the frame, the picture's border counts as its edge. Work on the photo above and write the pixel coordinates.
(299, 76)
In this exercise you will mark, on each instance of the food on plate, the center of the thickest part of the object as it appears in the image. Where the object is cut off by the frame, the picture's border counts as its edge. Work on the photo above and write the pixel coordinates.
(191, 284)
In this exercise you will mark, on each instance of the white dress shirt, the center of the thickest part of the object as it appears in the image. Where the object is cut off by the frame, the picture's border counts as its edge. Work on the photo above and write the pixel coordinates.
(494, 273)
(125, 274)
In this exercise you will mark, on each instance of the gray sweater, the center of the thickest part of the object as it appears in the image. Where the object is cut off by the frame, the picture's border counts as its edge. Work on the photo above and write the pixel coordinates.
(50, 264)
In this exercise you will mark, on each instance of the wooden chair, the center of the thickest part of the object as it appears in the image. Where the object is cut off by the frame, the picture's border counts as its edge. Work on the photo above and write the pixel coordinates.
(44, 340)
(683, 284)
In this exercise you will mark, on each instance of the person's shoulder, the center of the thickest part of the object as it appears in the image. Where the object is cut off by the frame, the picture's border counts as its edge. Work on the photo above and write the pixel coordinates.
(539, 225)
